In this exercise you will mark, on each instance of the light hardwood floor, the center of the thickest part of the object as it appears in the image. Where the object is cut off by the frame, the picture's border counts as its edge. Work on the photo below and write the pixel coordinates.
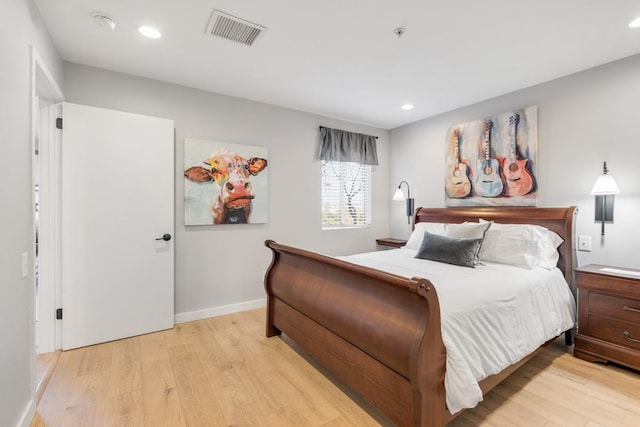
(45, 365)
(223, 371)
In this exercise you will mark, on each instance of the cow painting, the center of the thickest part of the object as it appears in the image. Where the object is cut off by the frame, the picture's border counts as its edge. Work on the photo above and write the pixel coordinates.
(229, 173)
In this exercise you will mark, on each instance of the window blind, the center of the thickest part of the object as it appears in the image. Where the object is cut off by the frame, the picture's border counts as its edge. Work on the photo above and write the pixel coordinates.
(346, 188)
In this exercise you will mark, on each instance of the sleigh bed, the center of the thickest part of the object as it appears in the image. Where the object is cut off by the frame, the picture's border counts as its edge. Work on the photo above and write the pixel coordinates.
(381, 333)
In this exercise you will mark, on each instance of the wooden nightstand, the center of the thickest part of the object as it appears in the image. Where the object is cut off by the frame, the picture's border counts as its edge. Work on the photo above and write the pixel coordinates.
(391, 242)
(608, 315)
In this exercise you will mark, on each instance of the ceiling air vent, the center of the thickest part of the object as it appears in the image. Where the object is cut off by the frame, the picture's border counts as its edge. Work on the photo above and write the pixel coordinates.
(233, 28)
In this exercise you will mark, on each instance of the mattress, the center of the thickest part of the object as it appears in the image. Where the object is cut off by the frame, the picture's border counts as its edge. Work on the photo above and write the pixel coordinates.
(492, 315)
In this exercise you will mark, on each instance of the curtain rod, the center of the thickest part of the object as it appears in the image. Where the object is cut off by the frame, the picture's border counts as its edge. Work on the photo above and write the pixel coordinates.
(323, 127)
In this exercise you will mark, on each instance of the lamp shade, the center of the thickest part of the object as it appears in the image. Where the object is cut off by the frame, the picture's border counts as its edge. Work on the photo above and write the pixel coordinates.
(605, 184)
(398, 195)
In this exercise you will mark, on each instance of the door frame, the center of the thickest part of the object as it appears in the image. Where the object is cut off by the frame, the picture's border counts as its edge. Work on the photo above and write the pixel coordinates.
(46, 93)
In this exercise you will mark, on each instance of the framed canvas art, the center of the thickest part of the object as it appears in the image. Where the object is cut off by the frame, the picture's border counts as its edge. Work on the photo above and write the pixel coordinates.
(492, 162)
(224, 183)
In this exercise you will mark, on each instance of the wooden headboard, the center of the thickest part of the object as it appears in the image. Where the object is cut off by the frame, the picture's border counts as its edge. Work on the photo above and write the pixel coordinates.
(560, 220)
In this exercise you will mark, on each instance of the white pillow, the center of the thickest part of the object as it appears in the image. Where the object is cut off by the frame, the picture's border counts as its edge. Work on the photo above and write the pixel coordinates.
(470, 230)
(415, 240)
(523, 245)
(513, 245)
(549, 255)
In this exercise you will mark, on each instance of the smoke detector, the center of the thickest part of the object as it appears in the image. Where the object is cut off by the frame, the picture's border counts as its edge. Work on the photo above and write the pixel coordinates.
(104, 21)
(233, 28)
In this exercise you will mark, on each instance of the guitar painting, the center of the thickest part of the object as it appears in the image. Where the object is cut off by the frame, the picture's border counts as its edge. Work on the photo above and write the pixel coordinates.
(457, 184)
(517, 176)
(488, 182)
(491, 161)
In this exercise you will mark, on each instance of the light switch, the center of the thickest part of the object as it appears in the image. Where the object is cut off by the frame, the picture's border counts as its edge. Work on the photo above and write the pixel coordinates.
(584, 243)
(24, 265)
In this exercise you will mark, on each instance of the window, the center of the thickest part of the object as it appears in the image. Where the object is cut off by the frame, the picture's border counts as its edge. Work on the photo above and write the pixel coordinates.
(346, 194)
(346, 177)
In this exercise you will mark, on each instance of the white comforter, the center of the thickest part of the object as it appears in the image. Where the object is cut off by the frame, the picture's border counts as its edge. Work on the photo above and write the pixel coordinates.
(492, 315)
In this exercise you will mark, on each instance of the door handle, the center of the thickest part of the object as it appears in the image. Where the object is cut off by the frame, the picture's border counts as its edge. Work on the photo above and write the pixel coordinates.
(165, 237)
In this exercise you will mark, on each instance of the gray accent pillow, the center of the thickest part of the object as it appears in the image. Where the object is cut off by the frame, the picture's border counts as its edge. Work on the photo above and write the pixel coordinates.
(469, 230)
(452, 250)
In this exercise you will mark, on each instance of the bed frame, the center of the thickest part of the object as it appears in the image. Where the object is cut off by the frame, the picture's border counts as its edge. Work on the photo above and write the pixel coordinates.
(380, 333)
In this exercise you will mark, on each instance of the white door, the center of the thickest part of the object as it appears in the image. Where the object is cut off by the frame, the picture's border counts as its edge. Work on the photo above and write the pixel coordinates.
(117, 200)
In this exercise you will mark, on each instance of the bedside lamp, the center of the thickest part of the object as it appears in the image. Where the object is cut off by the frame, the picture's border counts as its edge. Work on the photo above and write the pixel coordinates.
(604, 190)
(399, 195)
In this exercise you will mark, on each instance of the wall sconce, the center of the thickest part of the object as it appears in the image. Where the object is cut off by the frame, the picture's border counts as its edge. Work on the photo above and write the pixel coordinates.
(399, 195)
(604, 190)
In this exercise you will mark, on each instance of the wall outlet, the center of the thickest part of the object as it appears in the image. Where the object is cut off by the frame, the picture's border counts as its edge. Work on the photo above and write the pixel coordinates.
(584, 243)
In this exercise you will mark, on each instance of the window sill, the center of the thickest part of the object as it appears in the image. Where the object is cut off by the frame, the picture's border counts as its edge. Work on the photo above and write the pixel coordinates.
(344, 227)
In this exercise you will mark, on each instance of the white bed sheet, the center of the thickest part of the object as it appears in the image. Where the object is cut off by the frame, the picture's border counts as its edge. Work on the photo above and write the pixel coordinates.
(492, 315)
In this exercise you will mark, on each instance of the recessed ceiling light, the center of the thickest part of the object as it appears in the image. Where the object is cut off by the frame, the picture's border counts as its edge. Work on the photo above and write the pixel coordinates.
(105, 22)
(407, 107)
(150, 32)
(635, 23)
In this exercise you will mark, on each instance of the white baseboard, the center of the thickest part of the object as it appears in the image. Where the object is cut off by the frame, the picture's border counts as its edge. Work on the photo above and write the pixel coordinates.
(27, 415)
(218, 311)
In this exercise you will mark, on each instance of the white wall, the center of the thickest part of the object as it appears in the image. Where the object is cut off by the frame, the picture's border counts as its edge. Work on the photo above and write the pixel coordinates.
(20, 27)
(222, 265)
(583, 119)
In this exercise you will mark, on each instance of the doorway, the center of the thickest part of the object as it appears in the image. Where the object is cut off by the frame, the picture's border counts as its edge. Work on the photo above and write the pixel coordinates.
(45, 94)
(46, 97)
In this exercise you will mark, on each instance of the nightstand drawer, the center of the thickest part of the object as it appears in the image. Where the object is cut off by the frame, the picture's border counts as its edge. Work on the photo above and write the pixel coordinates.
(617, 307)
(626, 334)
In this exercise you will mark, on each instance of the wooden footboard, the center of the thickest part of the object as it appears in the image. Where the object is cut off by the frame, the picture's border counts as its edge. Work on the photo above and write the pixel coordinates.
(378, 333)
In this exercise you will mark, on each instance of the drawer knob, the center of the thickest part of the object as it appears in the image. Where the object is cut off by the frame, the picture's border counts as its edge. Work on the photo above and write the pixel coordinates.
(635, 310)
(630, 338)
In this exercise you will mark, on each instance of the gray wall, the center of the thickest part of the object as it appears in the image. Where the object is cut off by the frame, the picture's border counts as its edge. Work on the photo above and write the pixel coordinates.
(20, 27)
(583, 119)
(223, 265)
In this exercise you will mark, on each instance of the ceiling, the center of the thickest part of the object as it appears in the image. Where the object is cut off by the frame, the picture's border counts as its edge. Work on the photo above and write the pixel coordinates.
(342, 58)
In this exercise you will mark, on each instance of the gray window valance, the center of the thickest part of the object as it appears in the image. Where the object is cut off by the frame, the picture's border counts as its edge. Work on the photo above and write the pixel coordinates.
(343, 146)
